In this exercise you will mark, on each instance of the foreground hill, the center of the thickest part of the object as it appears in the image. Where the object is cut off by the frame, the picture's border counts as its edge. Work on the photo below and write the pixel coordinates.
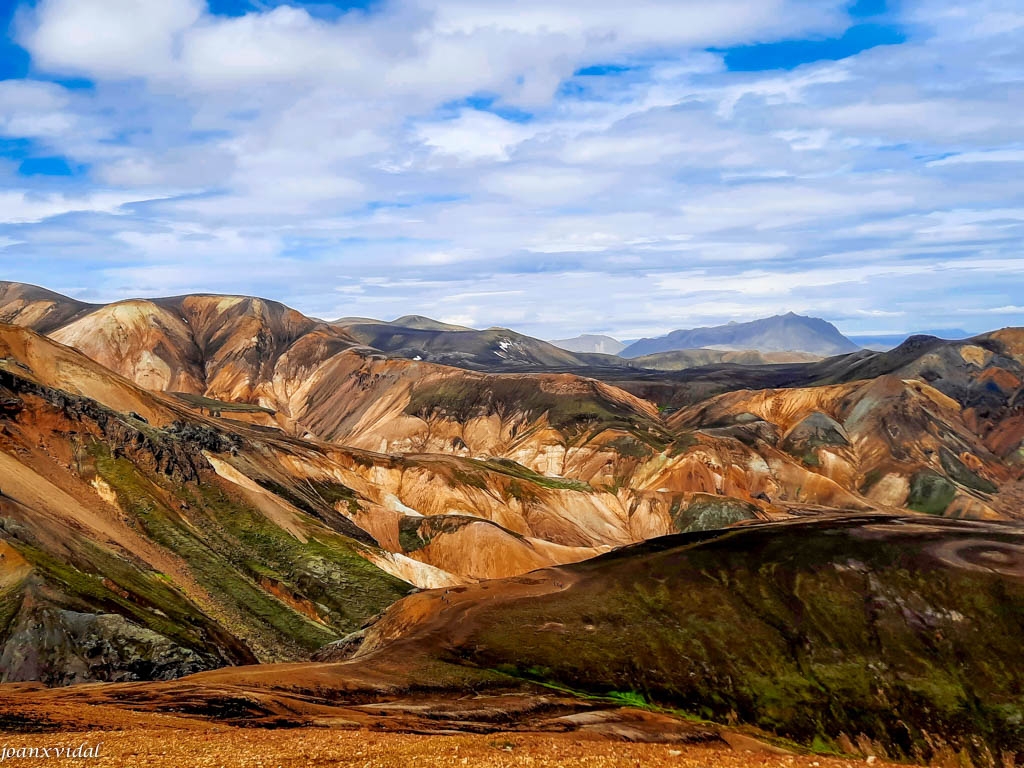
(869, 635)
(896, 631)
(781, 333)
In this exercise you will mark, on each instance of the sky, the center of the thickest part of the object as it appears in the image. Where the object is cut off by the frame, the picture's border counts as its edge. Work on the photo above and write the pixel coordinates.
(553, 166)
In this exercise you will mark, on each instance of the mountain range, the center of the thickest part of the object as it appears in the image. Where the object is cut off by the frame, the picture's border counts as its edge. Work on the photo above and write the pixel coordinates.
(201, 483)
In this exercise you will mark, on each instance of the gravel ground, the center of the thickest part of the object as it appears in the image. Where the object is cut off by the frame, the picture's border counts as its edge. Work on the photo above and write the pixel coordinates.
(259, 748)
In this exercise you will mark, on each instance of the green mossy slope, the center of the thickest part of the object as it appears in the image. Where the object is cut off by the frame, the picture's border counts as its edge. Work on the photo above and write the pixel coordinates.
(906, 632)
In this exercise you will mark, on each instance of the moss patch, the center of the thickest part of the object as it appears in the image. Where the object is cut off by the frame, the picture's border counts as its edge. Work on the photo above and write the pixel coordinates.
(930, 493)
(804, 631)
(322, 588)
(706, 512)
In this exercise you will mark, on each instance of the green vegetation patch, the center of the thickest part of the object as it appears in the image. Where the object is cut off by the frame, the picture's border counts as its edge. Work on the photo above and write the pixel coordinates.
(804, 631)
(630, 447)
(706, 513)
(682, 444)
(930, 493)
(10, 604)
(507, 396)
(235, 552)
(312, 495)
(871, 478)
(817, 430)
(415, 533)
(100, 581)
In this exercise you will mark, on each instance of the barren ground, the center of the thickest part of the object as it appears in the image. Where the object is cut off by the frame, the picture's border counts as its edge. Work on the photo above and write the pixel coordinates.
(248, 747)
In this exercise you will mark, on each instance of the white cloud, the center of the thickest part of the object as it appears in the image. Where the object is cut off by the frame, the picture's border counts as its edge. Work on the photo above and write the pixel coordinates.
(21, 207)
(34, 110)
(474, 135)
(538, 185)
(111, 38)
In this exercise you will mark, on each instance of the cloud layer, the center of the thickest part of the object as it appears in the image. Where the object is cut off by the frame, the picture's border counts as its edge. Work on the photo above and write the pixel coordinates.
(562, 167)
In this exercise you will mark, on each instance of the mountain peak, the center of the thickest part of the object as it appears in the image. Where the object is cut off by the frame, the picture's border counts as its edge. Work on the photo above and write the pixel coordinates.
(780, 333)
(591, 343)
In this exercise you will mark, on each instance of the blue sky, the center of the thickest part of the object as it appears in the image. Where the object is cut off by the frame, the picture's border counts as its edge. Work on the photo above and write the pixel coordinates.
(556, 166)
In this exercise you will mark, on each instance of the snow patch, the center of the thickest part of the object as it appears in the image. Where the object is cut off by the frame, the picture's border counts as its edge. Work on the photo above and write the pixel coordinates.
(395, 504)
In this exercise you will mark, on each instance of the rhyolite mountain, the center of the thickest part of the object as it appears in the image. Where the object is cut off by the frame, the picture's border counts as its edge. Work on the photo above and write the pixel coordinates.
(780, 333)
(932, 425)
(142, 539)
(591, 343)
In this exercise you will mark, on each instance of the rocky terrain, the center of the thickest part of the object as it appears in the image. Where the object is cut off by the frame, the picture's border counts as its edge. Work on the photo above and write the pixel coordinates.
(172, 746)
(143, 539)
(636, 446)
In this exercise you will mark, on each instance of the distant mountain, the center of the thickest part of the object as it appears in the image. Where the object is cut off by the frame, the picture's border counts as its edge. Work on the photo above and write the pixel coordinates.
(417, 322)
(422, 323)
(490, 349)
(591, 343)
(781, 333)
(886, 341)
(344, 322)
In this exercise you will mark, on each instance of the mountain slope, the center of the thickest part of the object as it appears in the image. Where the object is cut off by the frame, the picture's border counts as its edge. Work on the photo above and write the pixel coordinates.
(134, 541)
(37, 308)
(439, 519)
(898, 633)
(780, 333)
(885, 341)
(681, 359)
(647, 475)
